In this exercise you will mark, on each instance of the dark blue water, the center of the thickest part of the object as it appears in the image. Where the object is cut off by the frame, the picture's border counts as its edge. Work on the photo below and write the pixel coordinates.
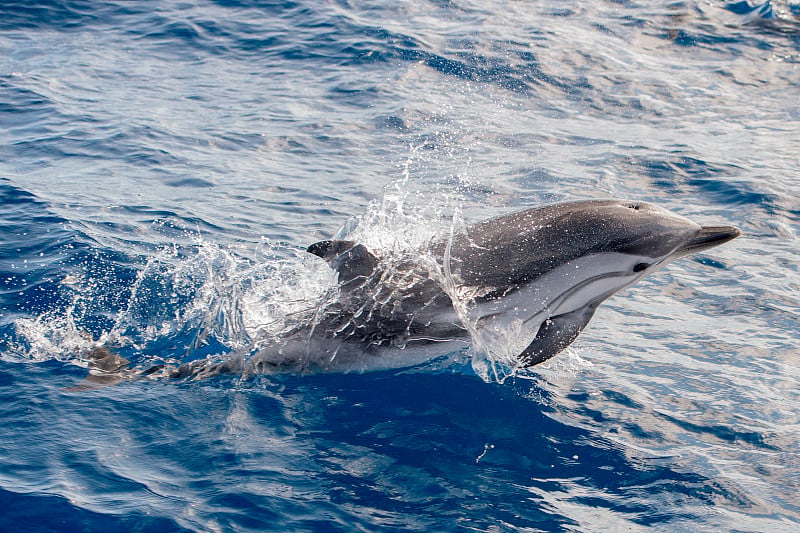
(164, 164)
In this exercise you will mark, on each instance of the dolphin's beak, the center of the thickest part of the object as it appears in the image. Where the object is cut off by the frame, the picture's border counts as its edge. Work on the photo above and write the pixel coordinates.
(708, 237)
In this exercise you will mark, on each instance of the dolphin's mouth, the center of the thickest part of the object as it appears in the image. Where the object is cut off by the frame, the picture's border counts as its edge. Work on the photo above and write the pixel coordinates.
(708, 237)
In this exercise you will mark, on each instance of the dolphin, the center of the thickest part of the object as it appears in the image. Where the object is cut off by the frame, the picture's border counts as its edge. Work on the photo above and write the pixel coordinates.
(519, 287)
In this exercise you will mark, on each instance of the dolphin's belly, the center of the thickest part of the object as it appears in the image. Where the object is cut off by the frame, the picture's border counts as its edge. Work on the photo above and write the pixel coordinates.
(334, 355)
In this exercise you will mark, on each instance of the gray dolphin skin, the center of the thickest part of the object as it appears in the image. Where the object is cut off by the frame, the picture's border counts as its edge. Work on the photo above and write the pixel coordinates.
(519, 287)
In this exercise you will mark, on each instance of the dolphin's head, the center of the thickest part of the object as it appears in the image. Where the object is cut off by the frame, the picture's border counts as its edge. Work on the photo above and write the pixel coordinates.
(639, 237)
(541, 273)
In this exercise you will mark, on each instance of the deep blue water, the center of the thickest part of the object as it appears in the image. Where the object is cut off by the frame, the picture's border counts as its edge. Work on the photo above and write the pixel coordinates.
(163, 165)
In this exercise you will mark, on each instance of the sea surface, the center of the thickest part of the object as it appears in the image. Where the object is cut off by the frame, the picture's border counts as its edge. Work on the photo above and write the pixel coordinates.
(164, 164)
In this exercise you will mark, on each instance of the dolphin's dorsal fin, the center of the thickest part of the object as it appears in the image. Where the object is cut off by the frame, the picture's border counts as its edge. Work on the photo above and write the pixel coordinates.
(349, 259)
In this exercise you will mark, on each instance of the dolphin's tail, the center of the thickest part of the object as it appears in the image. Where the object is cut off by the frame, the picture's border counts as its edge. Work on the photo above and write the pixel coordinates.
(107, 368)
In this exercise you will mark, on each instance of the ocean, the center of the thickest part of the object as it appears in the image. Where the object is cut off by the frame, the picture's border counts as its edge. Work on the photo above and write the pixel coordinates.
(165, 164)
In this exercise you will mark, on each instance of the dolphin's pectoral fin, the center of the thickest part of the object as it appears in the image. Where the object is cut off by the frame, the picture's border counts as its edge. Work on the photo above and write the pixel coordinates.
(555, 334)
(348, 259)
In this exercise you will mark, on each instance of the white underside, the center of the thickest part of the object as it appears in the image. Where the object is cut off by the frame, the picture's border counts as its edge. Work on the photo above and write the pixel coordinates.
(505, 327)
(351, 357)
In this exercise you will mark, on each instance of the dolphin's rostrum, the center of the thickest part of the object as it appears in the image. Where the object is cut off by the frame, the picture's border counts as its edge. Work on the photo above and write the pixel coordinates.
(520, 287)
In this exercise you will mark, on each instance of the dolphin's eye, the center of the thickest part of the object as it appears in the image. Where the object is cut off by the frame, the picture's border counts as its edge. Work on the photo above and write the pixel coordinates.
(635, 207)
(638, 267)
